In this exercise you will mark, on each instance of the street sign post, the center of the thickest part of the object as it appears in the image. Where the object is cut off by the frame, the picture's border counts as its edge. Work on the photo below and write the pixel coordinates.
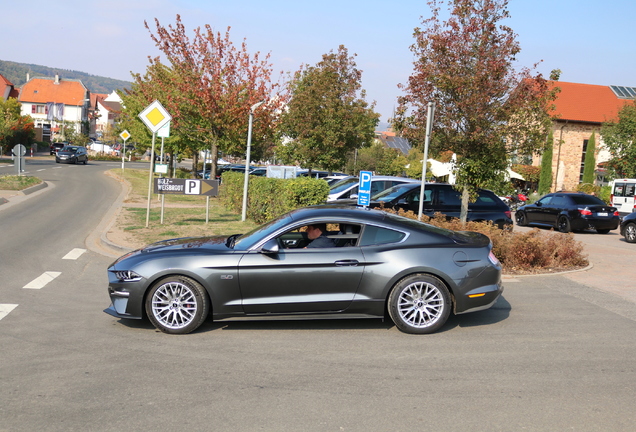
(154, 117)
(124, 135)
(364, 188)
(18, 152)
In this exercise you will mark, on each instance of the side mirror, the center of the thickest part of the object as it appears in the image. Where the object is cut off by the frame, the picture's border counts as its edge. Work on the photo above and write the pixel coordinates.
(539, 203)
(270, 247)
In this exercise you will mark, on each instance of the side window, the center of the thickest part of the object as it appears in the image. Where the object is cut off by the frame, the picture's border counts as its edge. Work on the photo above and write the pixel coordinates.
(374, 235)
(485, 200)
(449, 197)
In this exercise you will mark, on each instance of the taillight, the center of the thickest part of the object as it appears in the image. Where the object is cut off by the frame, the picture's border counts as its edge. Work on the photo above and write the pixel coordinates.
(508, 214)
(616, 213)
(585, 212)
(493, 259)
(612, 199)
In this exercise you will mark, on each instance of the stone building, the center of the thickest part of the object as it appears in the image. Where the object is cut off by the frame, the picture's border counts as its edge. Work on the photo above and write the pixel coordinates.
(580, 111)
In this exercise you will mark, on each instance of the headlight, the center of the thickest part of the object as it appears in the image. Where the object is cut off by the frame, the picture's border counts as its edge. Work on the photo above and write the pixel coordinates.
(127, 276)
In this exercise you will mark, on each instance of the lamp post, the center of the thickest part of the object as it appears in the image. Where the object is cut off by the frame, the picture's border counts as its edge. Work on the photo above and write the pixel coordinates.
(247, 158)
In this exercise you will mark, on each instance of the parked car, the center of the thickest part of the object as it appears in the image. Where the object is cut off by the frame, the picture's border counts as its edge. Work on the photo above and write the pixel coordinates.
(628, 228)
(317, 173)
(622, 195)
(443, 198)
(418, 272)
(72, 154)
(569, 211)
(56, 146)
(347, 188)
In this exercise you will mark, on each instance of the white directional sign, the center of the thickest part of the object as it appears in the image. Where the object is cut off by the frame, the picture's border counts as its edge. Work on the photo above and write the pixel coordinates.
(155, 116)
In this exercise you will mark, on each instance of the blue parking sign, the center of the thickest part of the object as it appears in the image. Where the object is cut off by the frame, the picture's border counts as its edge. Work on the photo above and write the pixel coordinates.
(364, 188)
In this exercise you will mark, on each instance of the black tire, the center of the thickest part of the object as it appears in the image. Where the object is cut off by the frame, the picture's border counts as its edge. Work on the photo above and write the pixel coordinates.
(630, 232)
(177, 305)
(419, 304)
(602, 231)
(563, 224)
(522, 219)
(85, 161)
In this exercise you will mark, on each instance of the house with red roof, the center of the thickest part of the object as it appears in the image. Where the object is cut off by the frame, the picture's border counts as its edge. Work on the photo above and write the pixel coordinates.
(105, 110)
(7, 90)
(580, 110)
(52, 102)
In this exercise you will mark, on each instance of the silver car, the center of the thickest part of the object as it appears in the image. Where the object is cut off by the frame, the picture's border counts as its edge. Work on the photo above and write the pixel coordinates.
(347, 188)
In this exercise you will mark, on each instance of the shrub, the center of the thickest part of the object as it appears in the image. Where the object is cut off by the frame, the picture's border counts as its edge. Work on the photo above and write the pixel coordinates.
(519, 252)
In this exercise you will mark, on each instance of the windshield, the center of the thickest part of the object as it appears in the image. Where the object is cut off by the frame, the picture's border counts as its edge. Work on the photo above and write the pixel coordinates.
(343, 185)
(245, 241)
(393, 192)
(70, 149)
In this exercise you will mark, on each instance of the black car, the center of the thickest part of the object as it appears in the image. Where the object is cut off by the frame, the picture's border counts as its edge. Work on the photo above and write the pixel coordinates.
(72, 154)
(379, 262)
(628, 228)
(443, 198)
(569, 211)
(57, 146)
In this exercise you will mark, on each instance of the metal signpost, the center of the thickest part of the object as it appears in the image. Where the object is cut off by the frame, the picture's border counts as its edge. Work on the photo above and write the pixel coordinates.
(175, 186)
(162, 168)
(18, 152)
(430, 113)
(154, 117)
(124, 135)
(364, 188)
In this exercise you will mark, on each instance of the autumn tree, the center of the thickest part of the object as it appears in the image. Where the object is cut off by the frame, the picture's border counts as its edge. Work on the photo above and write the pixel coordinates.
(485, 110)
(14, 127)
(209, 86)
(327, 116)
(620, 139)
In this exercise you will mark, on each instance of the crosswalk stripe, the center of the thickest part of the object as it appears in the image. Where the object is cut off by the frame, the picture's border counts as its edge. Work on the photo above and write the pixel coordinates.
(74, 254)
(42, 280)
(5, 309)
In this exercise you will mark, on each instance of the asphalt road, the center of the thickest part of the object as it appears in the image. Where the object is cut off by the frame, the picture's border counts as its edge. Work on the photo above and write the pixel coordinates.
(553, 354)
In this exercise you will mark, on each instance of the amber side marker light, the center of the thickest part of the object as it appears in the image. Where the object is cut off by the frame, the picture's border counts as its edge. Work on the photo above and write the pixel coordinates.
(476, 295)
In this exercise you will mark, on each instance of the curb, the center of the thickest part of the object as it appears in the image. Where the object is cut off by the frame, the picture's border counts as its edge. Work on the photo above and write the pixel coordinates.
(27, 191)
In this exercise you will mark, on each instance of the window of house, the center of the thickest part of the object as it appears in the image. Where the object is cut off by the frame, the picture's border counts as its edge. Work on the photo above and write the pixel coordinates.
(583, 160)
(39, 109)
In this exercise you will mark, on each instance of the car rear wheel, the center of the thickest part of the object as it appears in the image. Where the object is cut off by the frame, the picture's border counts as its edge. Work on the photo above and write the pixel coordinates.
(522, 220)
(563, 224)
(177, 305)
(630, 233)
(419, 304)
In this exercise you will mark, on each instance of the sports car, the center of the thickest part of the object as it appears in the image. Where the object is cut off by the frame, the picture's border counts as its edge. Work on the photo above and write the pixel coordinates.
(378, 264)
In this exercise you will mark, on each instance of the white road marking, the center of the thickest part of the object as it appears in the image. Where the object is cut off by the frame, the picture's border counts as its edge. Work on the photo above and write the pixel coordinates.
(74, 254)
(41, 281)
(56, 167)
(5, 309)
(43, 169)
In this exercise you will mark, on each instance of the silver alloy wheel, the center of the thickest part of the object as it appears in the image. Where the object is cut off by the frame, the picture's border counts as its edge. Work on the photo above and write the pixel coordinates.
(630, 233)
(420, 304)
(174, 305)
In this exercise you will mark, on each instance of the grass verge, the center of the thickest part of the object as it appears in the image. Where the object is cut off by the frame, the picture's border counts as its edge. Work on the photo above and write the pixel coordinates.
(17, 183)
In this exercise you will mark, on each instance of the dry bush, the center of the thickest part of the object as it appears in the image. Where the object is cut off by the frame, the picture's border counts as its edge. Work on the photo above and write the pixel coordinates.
(533, 251)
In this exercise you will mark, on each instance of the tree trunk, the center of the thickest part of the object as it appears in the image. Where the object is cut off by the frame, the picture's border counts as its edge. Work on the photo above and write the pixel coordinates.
(214, 152)
(463, 214)
(195, 164)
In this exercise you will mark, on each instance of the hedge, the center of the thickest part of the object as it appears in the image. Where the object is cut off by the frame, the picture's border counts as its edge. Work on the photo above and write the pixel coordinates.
(268, 198)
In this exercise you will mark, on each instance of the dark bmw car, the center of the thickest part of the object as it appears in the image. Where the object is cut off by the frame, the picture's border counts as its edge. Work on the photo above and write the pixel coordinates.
(443, 198)
(379, 263)
(628, 228)
(72, 154)
(569, 211)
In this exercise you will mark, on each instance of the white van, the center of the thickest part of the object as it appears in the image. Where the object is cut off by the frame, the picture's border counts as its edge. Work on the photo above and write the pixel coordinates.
(623, 195)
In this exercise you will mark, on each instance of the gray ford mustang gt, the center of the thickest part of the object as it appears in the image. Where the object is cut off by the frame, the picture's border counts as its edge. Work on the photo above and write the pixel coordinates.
(376, 263)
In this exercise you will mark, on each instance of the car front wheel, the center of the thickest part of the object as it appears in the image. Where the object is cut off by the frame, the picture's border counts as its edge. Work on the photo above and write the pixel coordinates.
(177, 305)
(630, 233)
(419, 304)
(563, 224)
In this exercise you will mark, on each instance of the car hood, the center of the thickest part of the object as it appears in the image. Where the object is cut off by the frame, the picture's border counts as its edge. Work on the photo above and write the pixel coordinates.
(212, 244)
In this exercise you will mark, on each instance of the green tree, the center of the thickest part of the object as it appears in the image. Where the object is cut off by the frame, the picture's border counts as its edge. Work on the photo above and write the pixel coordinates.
(327, 117)
(620, 139)
(589, 165)
(379, 159)
(545, 178)
(485, 110)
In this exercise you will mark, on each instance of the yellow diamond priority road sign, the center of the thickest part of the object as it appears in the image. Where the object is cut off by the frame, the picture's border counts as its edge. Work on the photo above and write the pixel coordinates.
(155, 116)
(124, 135)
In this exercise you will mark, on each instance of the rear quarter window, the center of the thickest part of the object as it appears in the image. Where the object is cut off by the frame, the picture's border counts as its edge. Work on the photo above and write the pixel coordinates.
(374, 235)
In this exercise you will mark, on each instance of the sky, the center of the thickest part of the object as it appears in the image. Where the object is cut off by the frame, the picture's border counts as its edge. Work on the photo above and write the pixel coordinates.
(590, 41)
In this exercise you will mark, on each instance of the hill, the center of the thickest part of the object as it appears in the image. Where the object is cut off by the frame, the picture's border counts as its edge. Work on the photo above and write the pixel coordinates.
(17, 74)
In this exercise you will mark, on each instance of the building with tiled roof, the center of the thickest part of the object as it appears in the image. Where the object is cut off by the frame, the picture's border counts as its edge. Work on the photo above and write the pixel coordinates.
(580, 111)
(7, 90)
(54, 101)
(106, 111)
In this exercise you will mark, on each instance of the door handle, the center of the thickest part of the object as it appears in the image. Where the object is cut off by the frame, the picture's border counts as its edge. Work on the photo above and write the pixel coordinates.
(345, 263)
